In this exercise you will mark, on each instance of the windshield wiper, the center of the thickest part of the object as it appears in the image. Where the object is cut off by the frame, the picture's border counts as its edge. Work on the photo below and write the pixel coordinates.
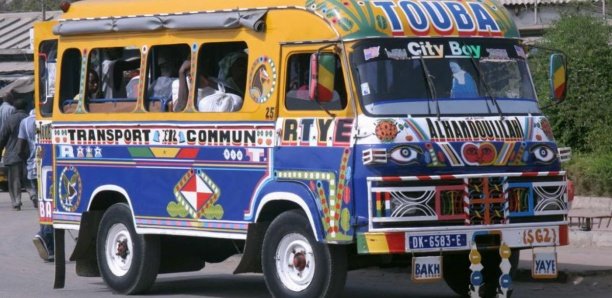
(430, 86)
(486, 86)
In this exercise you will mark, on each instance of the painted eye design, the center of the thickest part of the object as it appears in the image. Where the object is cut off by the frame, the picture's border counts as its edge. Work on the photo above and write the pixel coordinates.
(405, 154)
(543, 153)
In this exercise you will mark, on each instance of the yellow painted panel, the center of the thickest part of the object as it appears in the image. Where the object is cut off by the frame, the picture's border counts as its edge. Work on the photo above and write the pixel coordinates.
(161, 152)
(377, 243)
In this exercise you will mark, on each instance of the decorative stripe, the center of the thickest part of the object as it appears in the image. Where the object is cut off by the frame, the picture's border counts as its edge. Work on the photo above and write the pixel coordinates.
(466, 201)
(378, 204)
(188, 153)
(164, 152)
(381, 243)
(416, 129)
(387, 204)
(505, 153)
(377, 243)
(323, 201)
(461, 176)
(374, 156)
(506, 202)
(166, 164)
(396, 242)
(529, 128)
(451, 155)
(168, 222)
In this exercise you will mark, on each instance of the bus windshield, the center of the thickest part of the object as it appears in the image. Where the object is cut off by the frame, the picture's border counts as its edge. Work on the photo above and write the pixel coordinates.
(466, 77)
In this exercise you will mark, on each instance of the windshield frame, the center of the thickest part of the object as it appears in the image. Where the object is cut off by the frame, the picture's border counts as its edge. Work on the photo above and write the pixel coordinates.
(483, 97)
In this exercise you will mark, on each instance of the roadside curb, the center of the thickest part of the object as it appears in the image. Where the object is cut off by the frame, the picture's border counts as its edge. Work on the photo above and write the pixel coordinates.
(597, 203)
(593, 238)
(524, 275)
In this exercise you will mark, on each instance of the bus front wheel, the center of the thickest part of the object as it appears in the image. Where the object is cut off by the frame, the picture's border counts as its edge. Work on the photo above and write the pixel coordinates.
(296, 265)
(128, 262)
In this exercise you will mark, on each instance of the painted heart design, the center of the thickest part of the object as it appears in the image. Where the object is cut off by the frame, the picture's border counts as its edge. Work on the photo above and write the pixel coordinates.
(487, 153)
(479, 154)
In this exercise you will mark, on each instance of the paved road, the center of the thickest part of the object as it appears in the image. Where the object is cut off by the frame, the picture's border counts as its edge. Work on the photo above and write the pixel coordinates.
(23, 274)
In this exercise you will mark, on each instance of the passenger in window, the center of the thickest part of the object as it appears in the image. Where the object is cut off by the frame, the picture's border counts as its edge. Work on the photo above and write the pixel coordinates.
(212, 96)
(232, 72)
(298, 68)
(220, 101)
(463, 83)
(162, 86)
(93, 86)
(203, 83)
(111, 82)
(131, 89)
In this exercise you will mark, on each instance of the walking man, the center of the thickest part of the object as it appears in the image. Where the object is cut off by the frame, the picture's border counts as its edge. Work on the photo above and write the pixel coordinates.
(6, 108)
(43, 240)
(12, 157)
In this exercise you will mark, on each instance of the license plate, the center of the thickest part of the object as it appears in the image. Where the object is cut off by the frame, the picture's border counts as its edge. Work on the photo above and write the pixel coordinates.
(426, 268)
(544, 265)
(437, 241)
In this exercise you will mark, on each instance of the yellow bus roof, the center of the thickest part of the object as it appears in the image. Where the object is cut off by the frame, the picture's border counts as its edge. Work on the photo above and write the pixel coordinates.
(351, 19)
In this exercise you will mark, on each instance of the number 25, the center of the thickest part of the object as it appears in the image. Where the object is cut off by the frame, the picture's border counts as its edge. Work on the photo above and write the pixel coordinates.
(269, 113)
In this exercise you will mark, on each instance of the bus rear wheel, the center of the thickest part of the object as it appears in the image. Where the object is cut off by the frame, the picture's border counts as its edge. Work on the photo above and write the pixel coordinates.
(128, 262)
(296, 265)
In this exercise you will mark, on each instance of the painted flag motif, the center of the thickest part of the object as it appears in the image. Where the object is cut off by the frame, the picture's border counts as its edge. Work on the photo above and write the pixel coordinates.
(559, 76)
(327, 71)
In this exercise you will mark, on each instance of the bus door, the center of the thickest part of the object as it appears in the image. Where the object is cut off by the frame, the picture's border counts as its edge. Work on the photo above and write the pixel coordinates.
(315, 140)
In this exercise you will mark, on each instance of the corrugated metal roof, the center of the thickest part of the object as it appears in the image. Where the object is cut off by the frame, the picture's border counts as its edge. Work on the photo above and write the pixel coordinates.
(20, 85)
(15, 28)
(16, 66)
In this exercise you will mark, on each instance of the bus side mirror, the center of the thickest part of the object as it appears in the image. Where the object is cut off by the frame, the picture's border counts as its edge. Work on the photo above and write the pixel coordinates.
(322, 75)
(558, 77)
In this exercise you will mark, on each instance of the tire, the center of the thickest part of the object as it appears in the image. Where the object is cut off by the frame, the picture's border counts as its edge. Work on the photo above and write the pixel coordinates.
(304, 267)
(128, 262)
(457, 272)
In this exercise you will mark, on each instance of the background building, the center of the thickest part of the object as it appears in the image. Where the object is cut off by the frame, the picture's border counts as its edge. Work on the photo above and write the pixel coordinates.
(534, 16)
(16, 54)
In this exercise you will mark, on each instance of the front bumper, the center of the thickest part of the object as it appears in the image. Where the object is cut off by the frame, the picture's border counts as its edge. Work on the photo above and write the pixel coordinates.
(427, 240)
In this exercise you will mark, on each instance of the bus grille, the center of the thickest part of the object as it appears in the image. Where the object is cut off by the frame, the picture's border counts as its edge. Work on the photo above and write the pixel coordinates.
(485, 200)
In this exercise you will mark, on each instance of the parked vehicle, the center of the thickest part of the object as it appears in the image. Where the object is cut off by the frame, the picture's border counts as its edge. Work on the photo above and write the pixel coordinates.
(354, 133)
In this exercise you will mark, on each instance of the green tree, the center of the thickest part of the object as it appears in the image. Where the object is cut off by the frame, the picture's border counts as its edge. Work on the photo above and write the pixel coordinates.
(584, 120)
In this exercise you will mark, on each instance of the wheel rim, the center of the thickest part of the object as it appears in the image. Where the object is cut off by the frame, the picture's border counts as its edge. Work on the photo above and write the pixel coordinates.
(118, 249)
(295, 262)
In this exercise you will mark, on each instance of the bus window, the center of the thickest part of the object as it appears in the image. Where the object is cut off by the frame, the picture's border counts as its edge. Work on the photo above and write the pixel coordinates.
(110, 70)
(47, 61)
(221, 77)
(296, 94)
(162, 76)
(70, 80)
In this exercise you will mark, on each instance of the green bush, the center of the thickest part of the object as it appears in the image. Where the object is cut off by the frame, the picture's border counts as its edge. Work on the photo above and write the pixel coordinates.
(584, 120)
(591, 173)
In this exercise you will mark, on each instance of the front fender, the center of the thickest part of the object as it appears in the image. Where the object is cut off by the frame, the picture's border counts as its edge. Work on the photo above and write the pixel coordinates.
(294, 192)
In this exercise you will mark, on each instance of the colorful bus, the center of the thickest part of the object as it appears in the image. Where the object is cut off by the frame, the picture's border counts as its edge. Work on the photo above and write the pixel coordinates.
(311, 137)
